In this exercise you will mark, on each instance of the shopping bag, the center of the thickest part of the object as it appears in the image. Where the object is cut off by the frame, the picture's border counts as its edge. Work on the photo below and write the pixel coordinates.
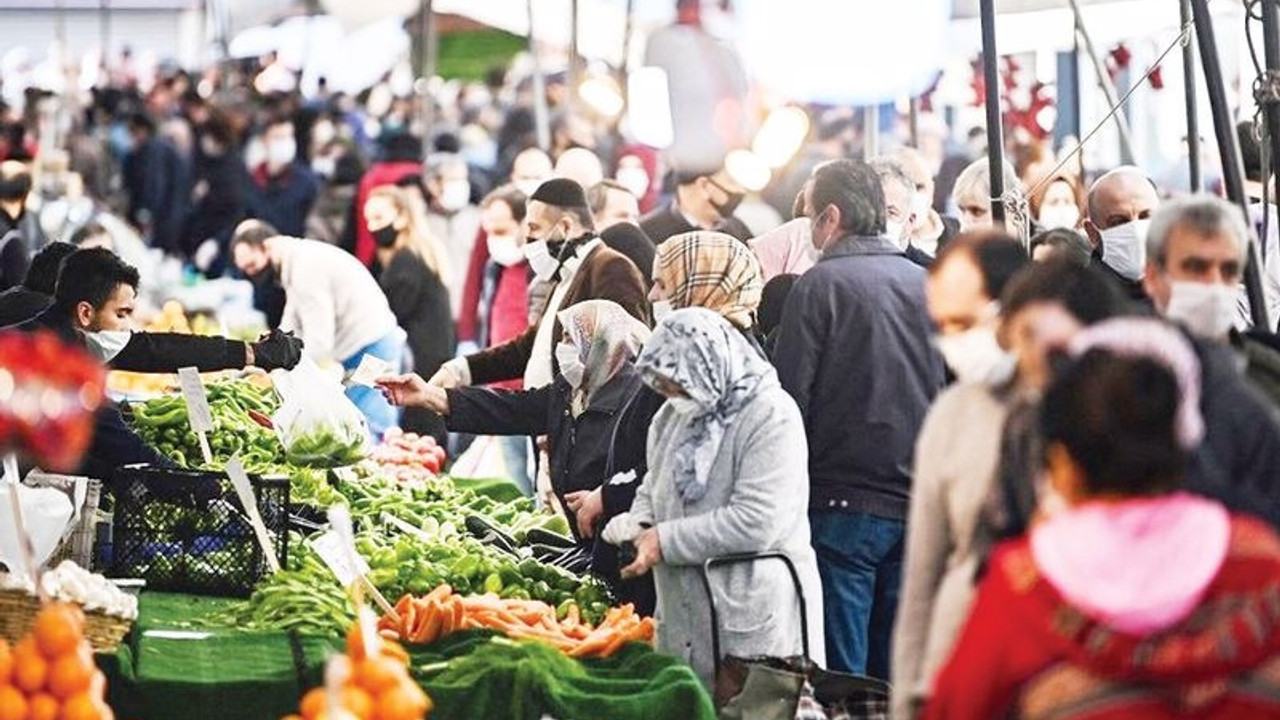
(317, 423)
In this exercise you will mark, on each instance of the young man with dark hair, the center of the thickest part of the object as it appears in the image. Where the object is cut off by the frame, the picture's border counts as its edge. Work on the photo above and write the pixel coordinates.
(854, 349)
(158, 181)
(22, 302)
(284, 188)
(703, 201)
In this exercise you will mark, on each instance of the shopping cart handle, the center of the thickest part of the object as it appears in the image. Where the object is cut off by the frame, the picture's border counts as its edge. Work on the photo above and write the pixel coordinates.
(740, 559)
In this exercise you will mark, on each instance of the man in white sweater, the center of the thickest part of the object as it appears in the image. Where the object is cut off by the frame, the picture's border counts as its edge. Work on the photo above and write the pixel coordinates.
(331, 302)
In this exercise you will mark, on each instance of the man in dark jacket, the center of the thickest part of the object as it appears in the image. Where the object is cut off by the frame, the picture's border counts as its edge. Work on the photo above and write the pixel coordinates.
(16, 243)
(854, 350)
(220, 197)
(158, 180)
(703, 201)
(22, 302)
(1120, 206)
(284, 188)
(93, 306)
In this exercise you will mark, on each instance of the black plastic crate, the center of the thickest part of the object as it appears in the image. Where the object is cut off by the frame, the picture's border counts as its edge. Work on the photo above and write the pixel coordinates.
(186, 531)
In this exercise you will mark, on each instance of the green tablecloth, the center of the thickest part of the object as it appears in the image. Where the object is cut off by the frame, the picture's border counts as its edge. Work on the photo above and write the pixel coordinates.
(167, 670)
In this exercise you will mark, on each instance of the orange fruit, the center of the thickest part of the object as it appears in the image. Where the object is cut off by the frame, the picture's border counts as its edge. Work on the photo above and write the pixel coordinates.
(377, 674)
(355, 643)
(313, 704)
(357, 702)
(59, 629)
(402, 701)
(6, 662)
(13, 704)
(42, 706)
(84, 707)
(71, 674)
(30, 669)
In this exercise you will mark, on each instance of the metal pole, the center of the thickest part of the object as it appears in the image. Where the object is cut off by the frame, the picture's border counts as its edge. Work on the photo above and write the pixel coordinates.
(1224, 130)
(541, 120)
(104, 30)
(995, 134)
(870, 132)
(1104, 80)
(1271, 110)
(429, 53)
(628, 32)
(1189, 88)
(913, 121)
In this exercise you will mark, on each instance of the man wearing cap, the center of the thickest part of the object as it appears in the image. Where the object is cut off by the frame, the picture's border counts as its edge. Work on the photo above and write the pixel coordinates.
(565, 253)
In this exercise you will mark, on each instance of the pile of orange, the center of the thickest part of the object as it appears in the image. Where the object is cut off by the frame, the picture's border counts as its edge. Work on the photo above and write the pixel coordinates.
(371, 687)
(49, 674)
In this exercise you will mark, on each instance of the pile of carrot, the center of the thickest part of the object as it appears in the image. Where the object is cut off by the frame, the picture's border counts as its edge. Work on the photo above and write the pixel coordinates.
(425, 619)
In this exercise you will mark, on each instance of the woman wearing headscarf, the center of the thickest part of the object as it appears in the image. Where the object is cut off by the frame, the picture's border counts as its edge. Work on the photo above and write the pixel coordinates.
(728, 474)
(709, 270)
(582, 413)
(1128, 597)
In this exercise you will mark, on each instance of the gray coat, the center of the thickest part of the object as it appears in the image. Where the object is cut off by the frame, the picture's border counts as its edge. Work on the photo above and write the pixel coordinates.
(757, 499)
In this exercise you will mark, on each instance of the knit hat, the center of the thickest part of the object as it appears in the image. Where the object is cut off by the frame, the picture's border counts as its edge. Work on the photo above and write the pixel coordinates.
(560, 192)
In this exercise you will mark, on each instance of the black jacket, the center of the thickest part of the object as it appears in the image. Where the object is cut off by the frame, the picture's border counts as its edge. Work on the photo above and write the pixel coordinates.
(1132, 289)
(667, 220)
(420, 302)
(286, 199)
(608, 438)
(158, 180)
(855, 351)
(222, 206)
(19, 304)
(15, 251)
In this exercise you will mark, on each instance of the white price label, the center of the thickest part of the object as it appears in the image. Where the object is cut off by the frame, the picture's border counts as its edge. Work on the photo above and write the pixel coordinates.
(244, 491)
(371, 368)
(197, 402)
(329, 547)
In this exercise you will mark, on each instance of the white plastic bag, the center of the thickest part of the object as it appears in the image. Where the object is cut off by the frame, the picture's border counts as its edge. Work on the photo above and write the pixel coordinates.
(46, 513)
(317, 423)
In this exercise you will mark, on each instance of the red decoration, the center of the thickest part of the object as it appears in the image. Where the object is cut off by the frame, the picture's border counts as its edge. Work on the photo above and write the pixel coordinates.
(1156, 78)
(48, 394)
(1121, 55)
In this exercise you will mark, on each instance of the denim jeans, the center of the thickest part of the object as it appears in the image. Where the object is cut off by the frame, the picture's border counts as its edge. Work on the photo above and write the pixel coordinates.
(370, 401)
(860, 560)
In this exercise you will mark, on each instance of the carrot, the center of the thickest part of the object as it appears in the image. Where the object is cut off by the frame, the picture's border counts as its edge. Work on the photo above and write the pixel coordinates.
(592, 645)
(440, 593)
(614, 645)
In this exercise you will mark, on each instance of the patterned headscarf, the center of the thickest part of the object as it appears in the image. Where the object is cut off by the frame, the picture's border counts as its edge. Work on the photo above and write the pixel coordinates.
(607, 338)
(711, 270)
(719, 369)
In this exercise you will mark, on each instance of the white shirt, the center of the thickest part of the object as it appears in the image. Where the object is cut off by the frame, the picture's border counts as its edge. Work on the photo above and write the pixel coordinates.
(331, 300)
(537, 373)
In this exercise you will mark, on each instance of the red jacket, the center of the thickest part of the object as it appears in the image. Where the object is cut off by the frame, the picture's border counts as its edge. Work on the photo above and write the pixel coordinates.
(382, 173)
(507, 308)
(1027, 653)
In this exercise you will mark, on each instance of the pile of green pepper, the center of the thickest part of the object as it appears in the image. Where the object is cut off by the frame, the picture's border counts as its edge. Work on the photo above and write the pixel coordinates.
(163, 424)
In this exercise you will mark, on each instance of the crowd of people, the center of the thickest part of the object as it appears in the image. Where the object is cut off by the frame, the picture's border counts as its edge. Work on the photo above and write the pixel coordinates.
(1025, 470)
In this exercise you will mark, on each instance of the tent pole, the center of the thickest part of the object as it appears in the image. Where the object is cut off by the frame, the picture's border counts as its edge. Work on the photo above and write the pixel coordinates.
(1225, 131)
(1104, 81)
(1270, 103)
(1189, 87)
(995, 134)
(428, 71)
(541, 119)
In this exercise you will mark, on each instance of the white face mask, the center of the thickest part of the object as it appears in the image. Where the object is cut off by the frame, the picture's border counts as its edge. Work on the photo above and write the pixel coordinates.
(281, 152)
(1059, 216)
(685, 406)
(455, 194)
(504, 250)
(661, 309)
(324, 166)
(106, 344)
(975, 356)
(571, 366)
(1124, 248)
(322, 134)
(539, 257)
(634, 179)
(1206, 309)
(894, 231)
(921, 204)
(210, 147)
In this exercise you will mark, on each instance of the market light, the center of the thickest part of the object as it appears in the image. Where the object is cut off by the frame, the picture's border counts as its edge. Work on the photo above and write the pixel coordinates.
(603, 95)
(747, 169)
(649, 114)
(781, 136)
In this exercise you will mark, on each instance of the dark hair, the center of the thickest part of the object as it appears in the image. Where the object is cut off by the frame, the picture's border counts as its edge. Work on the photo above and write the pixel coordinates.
(855, 189)
(92, 276)
(42, 276)
(253, 233)
(93, 228)
(1067, 244)
(773, 299)
(508, 195)
(1250, 150)
(598, 194)
(998, 256)
(1116, 417)
(142, 121)
(1087, 295)
(400, 147)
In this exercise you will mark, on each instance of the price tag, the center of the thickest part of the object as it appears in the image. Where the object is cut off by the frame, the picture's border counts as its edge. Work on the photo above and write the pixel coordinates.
(198, 412)
(371, 368)
(244, 491)
(329, 546)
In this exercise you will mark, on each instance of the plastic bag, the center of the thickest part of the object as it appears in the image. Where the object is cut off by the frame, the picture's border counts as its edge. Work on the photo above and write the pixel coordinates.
(46, 513)
(317, 423)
